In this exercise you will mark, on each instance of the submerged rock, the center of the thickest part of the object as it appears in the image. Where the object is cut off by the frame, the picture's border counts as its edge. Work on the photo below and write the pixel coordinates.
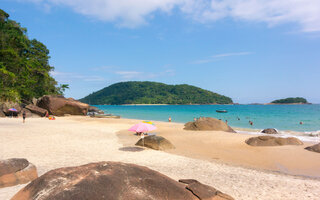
(59, 106)
(272, 141)
(204, 191)
(208, 124)
(104, 180)
(314, 148)
(16, 171)
(155, 142)
(269, 131)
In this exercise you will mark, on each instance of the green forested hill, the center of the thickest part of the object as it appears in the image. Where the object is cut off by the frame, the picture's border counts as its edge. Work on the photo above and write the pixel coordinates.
(136, 92)
(290, 100)
(24, 66)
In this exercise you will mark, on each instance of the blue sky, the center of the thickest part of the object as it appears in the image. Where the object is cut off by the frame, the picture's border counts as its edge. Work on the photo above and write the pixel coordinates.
(249, 50)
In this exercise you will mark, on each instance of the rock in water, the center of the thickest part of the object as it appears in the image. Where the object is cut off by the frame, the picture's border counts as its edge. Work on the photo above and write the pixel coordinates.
(204, 191)
(208, 124)
(59, 106)
(104, 180)
(16, 171)
(37, 110)
(155, 142)
(314, 148)
(95, 109)
(269, 131)
(272, 141)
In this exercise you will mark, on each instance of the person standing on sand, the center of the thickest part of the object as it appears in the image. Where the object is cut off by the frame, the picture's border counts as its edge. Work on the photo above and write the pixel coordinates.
(169, 119)
(24, 116)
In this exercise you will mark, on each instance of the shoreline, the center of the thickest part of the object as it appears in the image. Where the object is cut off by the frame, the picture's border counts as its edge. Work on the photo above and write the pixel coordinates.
(305, 136)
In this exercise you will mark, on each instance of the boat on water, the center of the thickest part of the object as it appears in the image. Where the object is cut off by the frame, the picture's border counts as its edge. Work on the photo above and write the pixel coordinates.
(221, 111)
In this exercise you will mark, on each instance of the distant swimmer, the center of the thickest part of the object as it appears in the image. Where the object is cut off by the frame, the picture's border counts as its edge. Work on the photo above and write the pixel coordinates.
(251, 123)
(169, 119)
(238, 118)
(301, 123)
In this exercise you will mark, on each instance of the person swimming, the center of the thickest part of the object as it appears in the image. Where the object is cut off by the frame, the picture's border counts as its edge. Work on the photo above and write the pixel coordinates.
(251, 123)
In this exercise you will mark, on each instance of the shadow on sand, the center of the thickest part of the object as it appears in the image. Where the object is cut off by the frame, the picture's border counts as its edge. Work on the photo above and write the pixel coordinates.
(133, 149)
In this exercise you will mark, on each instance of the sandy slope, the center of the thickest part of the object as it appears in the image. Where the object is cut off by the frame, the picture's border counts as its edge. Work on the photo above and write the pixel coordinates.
(79, 140)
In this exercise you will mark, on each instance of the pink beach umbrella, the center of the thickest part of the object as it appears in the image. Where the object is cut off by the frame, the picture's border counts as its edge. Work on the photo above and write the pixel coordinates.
(142, 128)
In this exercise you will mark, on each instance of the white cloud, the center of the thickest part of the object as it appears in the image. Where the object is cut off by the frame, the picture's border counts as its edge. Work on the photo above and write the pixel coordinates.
(129, 74)
(231, 54)
(132, 13)
(136, 75)
(70, 76)
(219, 56)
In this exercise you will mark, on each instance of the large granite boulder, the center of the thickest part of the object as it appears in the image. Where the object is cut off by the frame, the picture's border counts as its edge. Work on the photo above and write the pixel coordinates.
(104, 180)
(208, 124)
(59, 106)
(314, 148)
(2, 114)
(269, 131)
(16, 171)
(272, 141)
(28, 113)
(37, 110)
(4, 107)
(155, 142)
(204, 191)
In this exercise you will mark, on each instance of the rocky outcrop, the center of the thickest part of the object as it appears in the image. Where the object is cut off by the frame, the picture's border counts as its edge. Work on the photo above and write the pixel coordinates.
(59, 106)
(208, 124)
(204, 191)
(37, 110)
(104, 180)
(4, 107)
(2, 114)
(155, 142)
(269, 131)
(95, 110)
(314, 148)
(272, 141)
(16, 171)
(28, 113)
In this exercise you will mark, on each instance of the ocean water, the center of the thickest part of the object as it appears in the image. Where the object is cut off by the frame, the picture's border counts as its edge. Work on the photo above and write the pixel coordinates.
(285, 118)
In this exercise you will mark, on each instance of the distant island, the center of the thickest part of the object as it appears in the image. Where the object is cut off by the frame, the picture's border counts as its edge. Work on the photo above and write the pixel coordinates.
(145, 92)
(291, 100)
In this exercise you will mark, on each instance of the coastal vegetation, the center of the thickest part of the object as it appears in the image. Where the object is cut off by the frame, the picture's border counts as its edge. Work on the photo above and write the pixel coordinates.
(136, 92)
(291, 100)
(24, 64)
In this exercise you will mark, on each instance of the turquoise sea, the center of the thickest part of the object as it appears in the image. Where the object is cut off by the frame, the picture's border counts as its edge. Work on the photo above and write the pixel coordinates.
(281, 117)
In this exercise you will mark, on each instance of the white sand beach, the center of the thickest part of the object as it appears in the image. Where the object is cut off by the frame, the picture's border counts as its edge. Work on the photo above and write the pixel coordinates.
(72, 141)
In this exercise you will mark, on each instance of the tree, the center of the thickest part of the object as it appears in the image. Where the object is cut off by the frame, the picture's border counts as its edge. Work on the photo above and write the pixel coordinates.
(24, 64)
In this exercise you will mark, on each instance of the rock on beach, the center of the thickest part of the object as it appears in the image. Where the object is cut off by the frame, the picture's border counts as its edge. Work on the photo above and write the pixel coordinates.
(155, 142)
(112, 180)
(16, 171)
(208, 124)
(272, 141)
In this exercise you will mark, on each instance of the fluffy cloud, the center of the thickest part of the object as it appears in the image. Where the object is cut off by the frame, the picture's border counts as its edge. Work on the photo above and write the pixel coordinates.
(132, 13)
